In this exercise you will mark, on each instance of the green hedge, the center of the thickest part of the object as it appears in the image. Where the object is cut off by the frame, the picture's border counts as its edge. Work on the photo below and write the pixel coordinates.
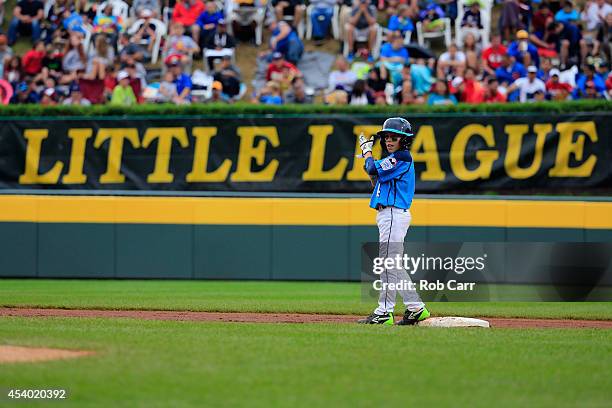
(246, 109)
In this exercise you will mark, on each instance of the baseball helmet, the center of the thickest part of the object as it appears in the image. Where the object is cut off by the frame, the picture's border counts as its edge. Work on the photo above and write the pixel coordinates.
(397, 127)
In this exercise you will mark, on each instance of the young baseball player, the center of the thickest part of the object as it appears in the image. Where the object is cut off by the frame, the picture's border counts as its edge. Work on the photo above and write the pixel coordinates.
(392, 198)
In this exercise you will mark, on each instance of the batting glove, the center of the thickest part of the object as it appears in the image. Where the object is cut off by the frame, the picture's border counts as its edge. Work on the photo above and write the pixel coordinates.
(365, 144)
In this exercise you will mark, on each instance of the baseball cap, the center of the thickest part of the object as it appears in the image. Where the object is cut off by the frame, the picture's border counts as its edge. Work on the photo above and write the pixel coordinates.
(532, 68)
(122, 75)
(174, 61)
(277, 55)
(522, 34)
(75, 88)
(217, 85)
(554, 72)
(222, 22)
(456, 82)
(22, 87)
(146, 13)
(590, 84)
(49, 92)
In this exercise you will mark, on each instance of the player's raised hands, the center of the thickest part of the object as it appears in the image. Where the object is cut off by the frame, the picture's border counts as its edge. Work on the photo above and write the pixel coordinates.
(365, 143)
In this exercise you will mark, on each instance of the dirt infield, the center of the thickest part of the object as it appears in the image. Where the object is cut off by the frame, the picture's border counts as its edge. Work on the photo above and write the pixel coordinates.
(18, 354)
(278, 317)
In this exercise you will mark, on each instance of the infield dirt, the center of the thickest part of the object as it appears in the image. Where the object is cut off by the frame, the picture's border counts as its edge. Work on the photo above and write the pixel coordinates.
(517, 323)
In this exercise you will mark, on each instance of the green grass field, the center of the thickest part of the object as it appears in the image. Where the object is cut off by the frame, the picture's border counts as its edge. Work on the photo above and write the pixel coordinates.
(171, 363)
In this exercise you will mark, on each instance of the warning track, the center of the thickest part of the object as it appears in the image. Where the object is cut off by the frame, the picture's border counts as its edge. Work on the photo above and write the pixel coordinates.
(250, 317)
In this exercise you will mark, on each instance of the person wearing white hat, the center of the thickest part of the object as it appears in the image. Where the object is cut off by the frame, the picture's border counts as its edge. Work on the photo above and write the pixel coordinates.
(123, 94)
(558, 91)
(528, 86)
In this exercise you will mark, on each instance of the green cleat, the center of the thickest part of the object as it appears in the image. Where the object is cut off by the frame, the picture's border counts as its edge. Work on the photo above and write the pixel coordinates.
(412, 318)
(374, 318)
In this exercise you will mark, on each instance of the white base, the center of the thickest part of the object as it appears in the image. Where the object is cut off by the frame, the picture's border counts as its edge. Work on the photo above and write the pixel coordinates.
(453, 322)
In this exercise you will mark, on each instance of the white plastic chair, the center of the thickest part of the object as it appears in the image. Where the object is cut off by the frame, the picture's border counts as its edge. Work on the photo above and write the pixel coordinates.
(120, 8)
(245, 16)
(407, 35)
(160, 32)
(48, 5)
(364, 38)
(423, 35)
(167, 15)
(335, 21)
(301, 27)
(485, 17)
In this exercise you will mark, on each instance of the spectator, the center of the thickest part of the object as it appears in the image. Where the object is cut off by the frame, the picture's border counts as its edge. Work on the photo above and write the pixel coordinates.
(270, 94)
(12, 70)
(181, 80)
(431, 18)
(421, 75)
(208, 20)
(509, 70)
(441, 95)
(321, 17)
(24, 93)
(589, 76)
(393, 56)
(528, 86)
(229, 76)
(568, 14)
(130, 49)
(6, 92)
(48, 97)
(362, 23)
(337, 97)
(378, 82)
(52, 62)
(107, 23)
(360, 94)
(279, 67)
(217, 95)
(5, 53)
(186, 13)
(100, 57)
(220, 44)
(152, 5)
(167, 89)
(27, 17)
(473, 91)
(76, 97)
(566, 39)
(557, 90)
(286, 41)
(123, 94)
(472, 21)
(297, 93)
(541, 19)
(32, 60)
(492, 93)
(471, 49)
(451, 63)
(604, 38)
(53, 23)
(74, 59)
(179, 45)
(145, 35)
(524, 51)
(492, 56)
(342, 76)
(595, 14)
(73, 21)
(401, 23)
(294, 8)
(510, 20)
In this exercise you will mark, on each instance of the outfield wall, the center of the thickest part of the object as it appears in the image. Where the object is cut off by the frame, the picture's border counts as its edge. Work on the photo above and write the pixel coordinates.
(284, 238)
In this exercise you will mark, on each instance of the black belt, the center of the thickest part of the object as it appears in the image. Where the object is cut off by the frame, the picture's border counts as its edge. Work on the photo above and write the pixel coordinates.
(380, 207)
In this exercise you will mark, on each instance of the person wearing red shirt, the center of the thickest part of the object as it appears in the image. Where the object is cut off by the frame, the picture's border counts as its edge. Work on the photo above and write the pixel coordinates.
(32, 60)
(541, 19)
(492, 94)
(186, 13)
(492, 56)
(559, 91)
(276, 68)
(472, 91)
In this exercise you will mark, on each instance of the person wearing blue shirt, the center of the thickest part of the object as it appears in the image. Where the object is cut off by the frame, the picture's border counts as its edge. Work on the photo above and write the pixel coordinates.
(181, 80)
(392, 198)
(393, 56)
(401, 22)
(568, 14)
(589, 76)
(208, 21)
(509, 71)
(522, 46)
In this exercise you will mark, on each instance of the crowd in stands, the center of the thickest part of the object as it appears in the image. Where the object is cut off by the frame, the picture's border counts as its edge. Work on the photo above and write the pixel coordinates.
(184, 51)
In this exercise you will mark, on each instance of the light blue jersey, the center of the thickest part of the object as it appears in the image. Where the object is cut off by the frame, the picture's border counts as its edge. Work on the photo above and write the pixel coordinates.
(395, 181)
